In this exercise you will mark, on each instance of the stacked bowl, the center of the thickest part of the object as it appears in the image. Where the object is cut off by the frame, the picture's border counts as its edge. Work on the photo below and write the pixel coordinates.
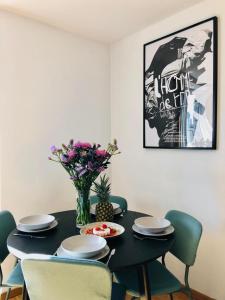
(152, 226)
(83, 247)
(36, 223)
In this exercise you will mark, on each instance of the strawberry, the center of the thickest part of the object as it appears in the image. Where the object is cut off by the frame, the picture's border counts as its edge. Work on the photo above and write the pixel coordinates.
(97, 228)
(104, 226)
(112, 231)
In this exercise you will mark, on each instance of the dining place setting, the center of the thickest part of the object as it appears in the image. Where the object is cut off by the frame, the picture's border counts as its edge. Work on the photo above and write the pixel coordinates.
(152, 228)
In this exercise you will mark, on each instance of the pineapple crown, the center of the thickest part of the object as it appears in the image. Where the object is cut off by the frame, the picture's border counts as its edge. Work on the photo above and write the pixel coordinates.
(103, 188)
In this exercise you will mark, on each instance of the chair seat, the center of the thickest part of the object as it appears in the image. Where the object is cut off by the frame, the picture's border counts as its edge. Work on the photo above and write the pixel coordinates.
(16, 276)
(162, 281)
(118, 292)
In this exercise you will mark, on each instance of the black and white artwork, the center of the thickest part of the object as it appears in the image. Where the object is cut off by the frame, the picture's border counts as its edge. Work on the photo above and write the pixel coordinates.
(180, 88)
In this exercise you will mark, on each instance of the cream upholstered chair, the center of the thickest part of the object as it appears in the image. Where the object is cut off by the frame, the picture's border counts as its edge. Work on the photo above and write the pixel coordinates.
(57, 278)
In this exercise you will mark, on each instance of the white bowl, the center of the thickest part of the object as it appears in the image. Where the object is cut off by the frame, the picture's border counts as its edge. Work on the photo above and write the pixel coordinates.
(152, 224)
(83, 246)
(36, 222)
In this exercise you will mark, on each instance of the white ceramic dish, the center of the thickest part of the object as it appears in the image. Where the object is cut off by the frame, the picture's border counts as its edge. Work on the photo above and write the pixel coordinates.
(36, 222)
(168, 231)
(116, 208)
(98, 256)
(152, 224)
(83, 246)
(119, 229)
(23, 229)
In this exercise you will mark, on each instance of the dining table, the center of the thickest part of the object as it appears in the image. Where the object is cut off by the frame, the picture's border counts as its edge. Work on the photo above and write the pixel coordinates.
(130, 251)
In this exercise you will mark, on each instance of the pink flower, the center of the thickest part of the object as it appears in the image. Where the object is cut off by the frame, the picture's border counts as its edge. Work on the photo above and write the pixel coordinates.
(102, 153)
(82, 145)
(71, 154)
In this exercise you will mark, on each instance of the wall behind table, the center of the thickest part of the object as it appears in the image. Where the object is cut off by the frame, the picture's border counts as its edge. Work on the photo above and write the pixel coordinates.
(54, 86)
(155, 181)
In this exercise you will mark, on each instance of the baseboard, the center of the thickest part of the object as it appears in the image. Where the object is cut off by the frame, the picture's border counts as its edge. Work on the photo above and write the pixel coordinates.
(199, 296)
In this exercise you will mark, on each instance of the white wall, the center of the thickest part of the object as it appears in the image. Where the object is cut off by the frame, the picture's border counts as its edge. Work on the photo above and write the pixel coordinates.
(155, 181)
(54, 86)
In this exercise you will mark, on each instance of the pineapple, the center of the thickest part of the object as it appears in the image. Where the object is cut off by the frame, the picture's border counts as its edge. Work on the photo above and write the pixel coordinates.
(104, 209)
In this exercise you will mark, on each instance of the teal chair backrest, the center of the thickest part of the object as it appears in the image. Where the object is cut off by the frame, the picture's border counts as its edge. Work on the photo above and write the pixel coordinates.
(188, 232)
(58, 278)
(116, 199)
(7, 224)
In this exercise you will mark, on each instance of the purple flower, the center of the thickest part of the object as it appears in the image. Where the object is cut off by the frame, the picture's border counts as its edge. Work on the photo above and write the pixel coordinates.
(78, 168)
(53, 149)
(82, 172)
(101, 169)
(90, 166)
(64, 158)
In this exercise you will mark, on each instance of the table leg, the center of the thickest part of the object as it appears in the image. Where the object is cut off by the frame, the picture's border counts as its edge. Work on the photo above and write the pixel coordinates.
(147, 286)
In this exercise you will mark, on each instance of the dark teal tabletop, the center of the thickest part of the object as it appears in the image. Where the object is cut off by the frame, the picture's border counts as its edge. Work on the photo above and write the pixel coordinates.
(129, 250)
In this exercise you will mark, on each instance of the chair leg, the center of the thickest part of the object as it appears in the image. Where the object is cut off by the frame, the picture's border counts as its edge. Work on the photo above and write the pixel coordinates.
(189, 294)
(187, 287)
(171, 296)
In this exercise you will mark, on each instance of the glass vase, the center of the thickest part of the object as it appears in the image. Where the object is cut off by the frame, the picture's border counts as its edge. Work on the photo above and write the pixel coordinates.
(83, 207)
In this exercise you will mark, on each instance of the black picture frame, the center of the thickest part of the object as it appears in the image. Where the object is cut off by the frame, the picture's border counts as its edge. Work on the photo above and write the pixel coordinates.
(186, 118)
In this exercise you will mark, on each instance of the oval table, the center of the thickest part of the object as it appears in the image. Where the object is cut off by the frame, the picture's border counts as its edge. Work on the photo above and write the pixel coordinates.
(130, 251)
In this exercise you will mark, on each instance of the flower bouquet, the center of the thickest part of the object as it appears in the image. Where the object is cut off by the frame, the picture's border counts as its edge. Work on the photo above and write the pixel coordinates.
(84, 162)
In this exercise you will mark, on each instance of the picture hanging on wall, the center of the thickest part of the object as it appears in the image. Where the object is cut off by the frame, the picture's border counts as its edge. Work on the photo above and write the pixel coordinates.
(180, 90)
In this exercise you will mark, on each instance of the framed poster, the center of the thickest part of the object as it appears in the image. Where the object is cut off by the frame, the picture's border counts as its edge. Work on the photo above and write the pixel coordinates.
(180, 90)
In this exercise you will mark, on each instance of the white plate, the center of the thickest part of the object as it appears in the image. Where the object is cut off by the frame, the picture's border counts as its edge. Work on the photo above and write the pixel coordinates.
(117, 211)
(168, 230)
(36, 222)
(119, 229)
(116, 206)
(83, 246)
(152, 224)
(21, 228)
(100, 255)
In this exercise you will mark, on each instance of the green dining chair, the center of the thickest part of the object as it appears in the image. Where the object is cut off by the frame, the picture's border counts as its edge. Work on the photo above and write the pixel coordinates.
(56, 278)
(15, 279)
(116, 199)
(187, 234)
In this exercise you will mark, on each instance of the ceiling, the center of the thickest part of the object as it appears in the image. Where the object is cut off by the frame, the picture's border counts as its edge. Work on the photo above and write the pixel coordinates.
(102, 20)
